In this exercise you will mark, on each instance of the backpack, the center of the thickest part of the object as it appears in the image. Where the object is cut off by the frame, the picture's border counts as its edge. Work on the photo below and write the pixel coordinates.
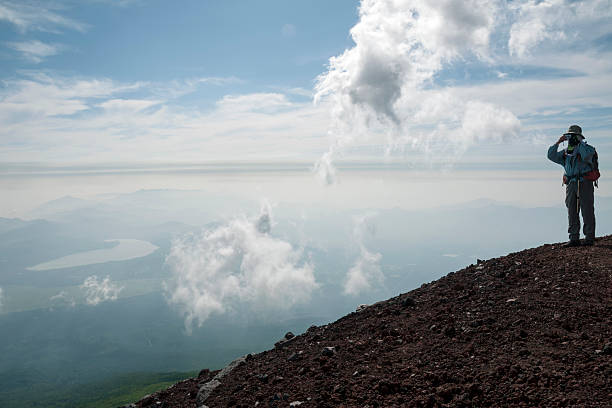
(594, 174)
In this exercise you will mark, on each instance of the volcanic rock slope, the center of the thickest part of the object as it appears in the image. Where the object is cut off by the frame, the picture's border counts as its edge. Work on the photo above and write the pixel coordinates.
(532, 328)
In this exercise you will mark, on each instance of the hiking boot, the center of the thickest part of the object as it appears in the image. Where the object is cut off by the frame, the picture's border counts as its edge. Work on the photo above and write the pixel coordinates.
(588, 242)
(572, 243)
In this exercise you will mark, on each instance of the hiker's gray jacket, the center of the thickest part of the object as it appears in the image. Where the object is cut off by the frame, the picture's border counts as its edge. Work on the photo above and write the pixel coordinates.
(576, 164)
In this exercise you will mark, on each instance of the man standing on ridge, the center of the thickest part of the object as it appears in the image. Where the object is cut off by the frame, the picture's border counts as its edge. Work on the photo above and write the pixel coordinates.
(581, 171)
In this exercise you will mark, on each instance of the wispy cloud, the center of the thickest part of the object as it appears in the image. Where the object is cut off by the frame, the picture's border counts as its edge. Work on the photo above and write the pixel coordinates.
(365, 274)
(42, 95)
(59, 118)
(34, 50)
(35, 16)
(177, 88)
(257, 102)
(301, 92)
(237, 263)
(100, 290)
(119, 3)
(63, 297)
(288, 30)
(127, 105)
(501, 75)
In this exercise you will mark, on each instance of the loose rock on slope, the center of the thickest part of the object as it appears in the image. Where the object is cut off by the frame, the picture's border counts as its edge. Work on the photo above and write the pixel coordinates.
(529, 329)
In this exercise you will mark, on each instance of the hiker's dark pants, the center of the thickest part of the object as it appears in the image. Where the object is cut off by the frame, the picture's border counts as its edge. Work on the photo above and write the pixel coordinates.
(586, 207)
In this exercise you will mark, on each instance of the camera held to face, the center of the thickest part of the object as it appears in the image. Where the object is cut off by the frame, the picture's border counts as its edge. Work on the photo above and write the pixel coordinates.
(572, 138)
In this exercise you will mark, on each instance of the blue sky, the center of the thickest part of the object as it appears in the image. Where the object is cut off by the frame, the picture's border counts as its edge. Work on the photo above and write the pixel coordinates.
(265, 44)
(85, 82)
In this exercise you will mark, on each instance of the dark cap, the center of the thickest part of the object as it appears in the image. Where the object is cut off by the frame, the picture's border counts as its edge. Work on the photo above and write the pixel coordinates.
(575, 129)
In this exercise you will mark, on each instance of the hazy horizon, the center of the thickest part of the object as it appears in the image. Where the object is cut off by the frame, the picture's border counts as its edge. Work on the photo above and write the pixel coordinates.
(356, 188)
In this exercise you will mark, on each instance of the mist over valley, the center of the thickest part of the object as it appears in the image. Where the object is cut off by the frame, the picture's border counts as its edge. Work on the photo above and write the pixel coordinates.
(76, 318)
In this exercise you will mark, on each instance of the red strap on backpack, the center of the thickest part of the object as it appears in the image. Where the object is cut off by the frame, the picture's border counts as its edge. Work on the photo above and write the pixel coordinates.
(592, 175)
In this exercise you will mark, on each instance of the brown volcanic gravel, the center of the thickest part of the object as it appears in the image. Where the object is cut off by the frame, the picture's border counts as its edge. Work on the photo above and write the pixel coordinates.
(529, 329)
(182, 394)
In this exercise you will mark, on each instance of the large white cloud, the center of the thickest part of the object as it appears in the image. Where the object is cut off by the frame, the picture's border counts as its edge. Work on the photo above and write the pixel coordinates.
(386, 89)
(100, 290)
(239, 263)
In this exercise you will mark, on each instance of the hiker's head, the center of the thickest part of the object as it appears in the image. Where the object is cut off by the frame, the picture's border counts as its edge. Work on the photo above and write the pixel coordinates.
(574, 135)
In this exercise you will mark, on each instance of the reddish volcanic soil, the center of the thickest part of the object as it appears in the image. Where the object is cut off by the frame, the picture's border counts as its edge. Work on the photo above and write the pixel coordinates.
(529, 329)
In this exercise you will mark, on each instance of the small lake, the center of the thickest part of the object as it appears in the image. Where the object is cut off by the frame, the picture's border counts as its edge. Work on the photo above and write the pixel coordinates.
(124, 250)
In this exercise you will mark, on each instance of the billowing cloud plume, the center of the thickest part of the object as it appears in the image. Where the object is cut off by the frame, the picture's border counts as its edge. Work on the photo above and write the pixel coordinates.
(100, 290)
(236, 264)
(365, 273)
(387, 88)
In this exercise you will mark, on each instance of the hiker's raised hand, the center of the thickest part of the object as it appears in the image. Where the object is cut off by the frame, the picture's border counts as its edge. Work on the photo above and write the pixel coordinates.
(561, 139)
